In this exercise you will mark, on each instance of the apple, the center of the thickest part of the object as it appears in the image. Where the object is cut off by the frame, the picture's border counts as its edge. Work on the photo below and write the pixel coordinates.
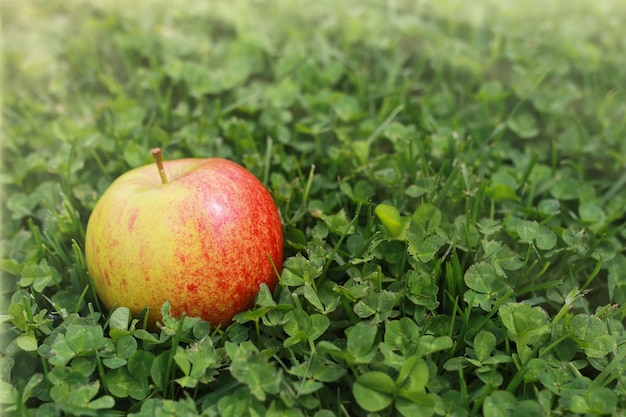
(203, 234)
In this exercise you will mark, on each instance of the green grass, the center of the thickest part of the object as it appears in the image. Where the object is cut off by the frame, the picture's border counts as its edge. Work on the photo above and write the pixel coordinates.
(450, 175)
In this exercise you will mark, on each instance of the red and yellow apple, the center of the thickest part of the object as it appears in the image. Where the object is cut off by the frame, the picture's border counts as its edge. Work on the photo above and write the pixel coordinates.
(203, 234)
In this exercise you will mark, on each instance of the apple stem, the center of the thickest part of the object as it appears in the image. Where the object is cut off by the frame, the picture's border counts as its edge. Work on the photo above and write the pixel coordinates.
(158, 160)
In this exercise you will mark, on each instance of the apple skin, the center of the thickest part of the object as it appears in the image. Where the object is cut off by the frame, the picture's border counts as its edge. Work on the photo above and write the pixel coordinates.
(203, 240)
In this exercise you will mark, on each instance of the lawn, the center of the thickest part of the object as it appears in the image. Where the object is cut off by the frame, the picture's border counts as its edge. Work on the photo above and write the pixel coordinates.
(451, 181)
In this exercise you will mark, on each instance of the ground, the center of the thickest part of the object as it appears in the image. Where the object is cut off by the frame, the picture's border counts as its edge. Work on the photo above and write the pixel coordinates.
(450, 178)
